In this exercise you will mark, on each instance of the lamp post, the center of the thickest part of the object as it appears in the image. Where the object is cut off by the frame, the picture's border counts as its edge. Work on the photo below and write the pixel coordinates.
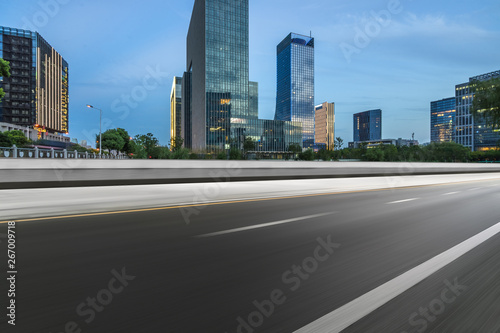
(100, 129)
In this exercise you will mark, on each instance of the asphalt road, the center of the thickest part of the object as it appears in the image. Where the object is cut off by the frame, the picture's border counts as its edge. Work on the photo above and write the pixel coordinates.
(273, 265)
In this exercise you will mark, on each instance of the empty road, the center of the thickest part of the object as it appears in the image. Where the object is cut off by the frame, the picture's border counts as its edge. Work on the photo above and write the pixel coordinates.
(398, 259)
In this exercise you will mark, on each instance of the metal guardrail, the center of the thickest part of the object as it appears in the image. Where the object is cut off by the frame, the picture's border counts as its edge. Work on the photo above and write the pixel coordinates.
(15, 152)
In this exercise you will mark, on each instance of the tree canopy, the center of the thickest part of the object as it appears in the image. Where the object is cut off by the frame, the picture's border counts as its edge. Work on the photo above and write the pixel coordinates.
(4, 72)
(17, 138)
(5, 140)
(115, 139)
(486, 103)
(339, 142)
(145, 143)
(176, 143)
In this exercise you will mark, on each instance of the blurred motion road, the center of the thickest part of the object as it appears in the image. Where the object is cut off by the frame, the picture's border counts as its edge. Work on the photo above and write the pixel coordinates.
(262, 265)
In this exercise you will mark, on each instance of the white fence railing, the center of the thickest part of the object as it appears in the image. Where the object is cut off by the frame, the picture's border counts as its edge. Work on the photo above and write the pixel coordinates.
(15, 152)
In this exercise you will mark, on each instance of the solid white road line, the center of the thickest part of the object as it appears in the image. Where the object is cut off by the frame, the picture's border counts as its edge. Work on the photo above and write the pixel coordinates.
(401, 201)
(350, 313)
(450, 193)
(265, 225)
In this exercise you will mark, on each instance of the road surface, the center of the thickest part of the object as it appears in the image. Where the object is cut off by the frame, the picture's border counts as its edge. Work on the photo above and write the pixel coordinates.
(280, 264)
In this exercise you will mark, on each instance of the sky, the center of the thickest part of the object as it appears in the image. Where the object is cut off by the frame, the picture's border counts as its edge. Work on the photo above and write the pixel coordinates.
(394, 55)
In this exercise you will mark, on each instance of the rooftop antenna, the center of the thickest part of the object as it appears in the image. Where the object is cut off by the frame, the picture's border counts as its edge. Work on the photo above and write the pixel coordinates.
(310, 33)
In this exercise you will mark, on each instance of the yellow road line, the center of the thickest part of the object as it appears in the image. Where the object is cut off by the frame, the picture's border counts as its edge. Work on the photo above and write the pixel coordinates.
(238, 201)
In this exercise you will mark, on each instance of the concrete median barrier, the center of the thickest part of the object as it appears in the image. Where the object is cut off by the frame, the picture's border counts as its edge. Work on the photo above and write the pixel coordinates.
(69, 173)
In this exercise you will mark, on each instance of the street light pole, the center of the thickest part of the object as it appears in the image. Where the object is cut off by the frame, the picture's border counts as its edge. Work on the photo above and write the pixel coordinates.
(100, 129)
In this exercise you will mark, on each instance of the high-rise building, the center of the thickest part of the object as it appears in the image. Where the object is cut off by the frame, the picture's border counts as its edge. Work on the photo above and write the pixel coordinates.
(325, 126)
(175, 108)
(217, 60)
(219, 103)
(469, 131)
(443, 120)
(295, 84)
(368, 126)
(37, 90)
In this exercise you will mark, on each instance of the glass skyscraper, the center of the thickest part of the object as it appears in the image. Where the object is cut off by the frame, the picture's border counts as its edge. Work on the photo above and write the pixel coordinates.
(469, 131)
(443, 120)
(217, 58)
(219, 103)
(368, 126)
(37, 91)
(295, 84)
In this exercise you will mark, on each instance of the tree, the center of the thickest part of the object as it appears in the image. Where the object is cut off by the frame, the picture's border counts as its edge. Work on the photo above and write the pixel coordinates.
(235, 154)
(248, 145)
(78, 148)
(17, 138)
(325, 155)
(4, 72)
(295, 148)
(390, 153)
(112, 140)
(486, 104)
(176, 143)
(375, 154)
(5, 140)
(145, 142)
(339, 142)
(161, 153)
(222, 155)
(126, 137)
(307, 155)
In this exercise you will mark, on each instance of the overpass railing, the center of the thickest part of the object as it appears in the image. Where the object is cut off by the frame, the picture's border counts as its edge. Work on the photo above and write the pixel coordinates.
(15, 152)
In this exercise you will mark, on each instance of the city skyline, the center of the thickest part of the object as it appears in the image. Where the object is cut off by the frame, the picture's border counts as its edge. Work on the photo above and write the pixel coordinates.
(415, 57)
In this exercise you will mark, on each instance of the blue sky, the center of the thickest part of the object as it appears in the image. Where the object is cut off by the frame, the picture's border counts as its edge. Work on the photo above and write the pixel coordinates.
(123, 55)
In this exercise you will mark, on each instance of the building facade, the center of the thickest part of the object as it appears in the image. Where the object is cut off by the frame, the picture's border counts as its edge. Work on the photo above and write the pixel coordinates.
(37, 92)
(175, 108)
(443, 120)
(295, 84)
(217, 61)
(253, 103)
(377, 143)
(469, 131)
(219, 104)
(325, 126)
(368, 126)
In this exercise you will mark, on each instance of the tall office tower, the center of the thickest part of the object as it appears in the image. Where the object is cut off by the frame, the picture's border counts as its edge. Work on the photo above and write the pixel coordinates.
(470, 132)
(325, 125)
(175, 108)
(217, 60)
(219, 103)
(443, 120)
(37, 90)
(368, 126)
(295, 84)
